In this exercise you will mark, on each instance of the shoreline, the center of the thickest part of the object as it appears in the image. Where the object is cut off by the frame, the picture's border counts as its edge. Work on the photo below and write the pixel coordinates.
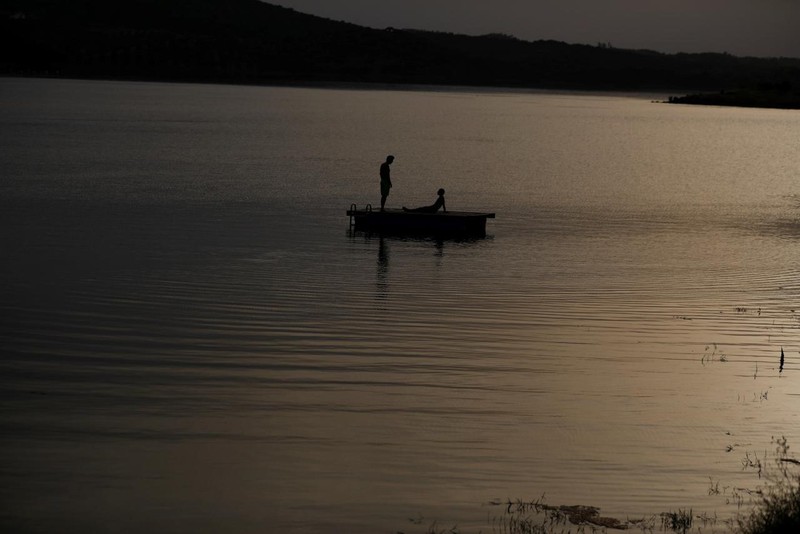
(743, 98)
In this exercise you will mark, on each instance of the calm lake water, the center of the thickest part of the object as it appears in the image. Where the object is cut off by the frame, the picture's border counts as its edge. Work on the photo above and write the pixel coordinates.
(194, 341)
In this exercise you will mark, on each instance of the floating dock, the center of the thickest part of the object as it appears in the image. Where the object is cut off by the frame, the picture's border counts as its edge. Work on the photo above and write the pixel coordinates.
(450, 223)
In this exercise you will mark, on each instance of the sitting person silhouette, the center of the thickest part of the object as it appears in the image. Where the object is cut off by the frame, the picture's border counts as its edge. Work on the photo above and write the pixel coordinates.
(433, 208)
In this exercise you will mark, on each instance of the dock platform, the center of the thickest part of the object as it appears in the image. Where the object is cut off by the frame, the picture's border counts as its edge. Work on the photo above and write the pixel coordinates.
(450, 223)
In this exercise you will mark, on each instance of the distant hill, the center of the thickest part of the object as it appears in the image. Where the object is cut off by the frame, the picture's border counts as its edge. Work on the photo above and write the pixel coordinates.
(248, 41)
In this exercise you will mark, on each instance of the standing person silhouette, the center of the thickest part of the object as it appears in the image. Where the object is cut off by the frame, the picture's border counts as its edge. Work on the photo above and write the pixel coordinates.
(386, 181)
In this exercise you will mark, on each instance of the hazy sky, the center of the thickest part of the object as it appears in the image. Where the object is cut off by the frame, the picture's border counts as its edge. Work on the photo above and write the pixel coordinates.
(740, 27)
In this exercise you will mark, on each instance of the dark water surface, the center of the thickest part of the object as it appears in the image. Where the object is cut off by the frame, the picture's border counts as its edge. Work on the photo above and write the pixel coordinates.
(193, 340)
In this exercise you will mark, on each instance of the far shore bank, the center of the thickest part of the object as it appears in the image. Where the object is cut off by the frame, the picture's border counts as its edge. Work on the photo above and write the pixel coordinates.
(745, 98)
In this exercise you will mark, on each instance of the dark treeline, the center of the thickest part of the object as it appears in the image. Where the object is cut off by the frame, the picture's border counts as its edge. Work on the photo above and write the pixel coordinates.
(248, 41)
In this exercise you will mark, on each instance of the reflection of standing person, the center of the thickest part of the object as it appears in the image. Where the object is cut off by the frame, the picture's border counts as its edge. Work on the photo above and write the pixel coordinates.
(382, 275)
(386, 181)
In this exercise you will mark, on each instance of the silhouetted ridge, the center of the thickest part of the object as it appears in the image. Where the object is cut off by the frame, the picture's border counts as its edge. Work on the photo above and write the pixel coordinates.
(247, 41)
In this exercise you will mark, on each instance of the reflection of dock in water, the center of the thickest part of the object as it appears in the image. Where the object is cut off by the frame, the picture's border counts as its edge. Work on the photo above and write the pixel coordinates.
(393, 221)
